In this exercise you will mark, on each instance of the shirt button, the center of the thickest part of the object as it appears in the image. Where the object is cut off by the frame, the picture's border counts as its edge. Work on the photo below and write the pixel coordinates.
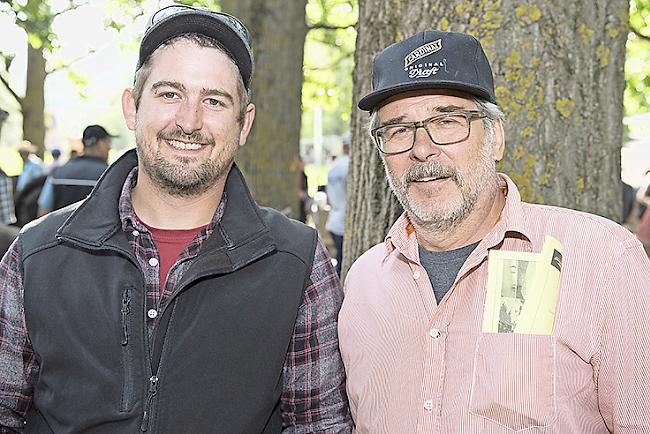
(152, 313)
(135, 233)
(434, 333)
(416, 274)
(428, 405)
(153, 262)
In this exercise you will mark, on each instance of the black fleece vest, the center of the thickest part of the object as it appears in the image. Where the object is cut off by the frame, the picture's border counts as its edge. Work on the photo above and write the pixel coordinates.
(216, 360)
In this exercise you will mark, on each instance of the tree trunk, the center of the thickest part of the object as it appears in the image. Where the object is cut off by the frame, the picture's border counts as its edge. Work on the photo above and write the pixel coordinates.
(558, 70)
(278, 29)
(33, 104)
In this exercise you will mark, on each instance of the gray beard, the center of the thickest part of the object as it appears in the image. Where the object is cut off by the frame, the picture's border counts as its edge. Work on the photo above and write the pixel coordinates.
(443, 220)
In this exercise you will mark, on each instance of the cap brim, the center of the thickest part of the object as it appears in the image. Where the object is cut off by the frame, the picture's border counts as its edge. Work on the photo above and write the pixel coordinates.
(374, 99)
(192, 22)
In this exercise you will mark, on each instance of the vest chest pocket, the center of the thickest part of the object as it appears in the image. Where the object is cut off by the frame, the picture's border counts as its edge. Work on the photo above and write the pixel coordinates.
(513, 383)
(126, 398)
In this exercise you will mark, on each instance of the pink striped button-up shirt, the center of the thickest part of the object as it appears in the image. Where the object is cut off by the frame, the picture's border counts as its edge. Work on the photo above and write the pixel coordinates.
(417, 367)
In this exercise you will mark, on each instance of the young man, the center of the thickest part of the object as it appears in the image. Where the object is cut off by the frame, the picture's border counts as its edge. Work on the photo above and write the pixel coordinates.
(168, 301)
(481, 313)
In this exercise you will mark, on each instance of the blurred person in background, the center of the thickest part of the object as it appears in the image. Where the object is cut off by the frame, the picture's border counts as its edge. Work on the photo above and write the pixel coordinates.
(56, 160)
(337, 196)
(7, 210)
(304, 200)
(7, 214)
(75, 180)
(32, 165)
(29, 184)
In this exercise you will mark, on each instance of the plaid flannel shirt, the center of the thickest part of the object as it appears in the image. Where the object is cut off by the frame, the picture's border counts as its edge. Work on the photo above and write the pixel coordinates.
(313, 398)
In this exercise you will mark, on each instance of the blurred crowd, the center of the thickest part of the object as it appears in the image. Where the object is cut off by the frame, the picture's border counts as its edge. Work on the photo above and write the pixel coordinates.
(44, 187)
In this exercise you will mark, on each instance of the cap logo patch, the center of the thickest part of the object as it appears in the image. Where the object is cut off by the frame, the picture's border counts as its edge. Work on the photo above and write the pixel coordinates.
(422, 51)
(427, 69)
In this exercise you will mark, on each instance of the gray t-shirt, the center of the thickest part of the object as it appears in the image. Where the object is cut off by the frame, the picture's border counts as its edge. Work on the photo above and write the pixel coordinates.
(443, 267)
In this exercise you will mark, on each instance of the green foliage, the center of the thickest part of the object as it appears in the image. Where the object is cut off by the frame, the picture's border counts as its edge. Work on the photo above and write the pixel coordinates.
(36, 18)
(328, 64)
(640, 16)
(637, 64)
(80, 81)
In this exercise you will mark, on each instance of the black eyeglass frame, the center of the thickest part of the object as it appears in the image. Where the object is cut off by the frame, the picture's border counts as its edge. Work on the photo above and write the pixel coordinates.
(470, 115)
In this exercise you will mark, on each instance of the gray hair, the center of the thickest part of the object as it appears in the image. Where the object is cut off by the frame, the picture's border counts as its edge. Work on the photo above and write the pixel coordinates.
(492, 112)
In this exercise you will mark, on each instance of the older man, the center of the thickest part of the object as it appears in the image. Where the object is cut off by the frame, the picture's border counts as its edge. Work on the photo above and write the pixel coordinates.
(168, 301)
(481, 313)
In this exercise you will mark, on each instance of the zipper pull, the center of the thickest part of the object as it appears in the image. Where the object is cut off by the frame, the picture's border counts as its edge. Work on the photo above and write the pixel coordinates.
(153, 389)
(125, 311)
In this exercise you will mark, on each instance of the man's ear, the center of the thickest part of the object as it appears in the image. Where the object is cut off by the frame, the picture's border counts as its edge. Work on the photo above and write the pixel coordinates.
(249, 117)
(499, 145)
(128, 108)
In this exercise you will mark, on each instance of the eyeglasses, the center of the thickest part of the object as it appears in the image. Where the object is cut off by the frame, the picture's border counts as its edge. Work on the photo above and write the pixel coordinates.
(174, 9)
(443, 129)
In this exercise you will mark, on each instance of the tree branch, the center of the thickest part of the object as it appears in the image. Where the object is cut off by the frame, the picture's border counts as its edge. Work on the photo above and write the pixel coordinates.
(328, 27)
(67, 65)
(11, 91)
(639, 34)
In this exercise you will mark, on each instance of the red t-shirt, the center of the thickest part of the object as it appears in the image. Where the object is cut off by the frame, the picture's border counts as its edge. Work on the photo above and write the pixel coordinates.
(171, 243)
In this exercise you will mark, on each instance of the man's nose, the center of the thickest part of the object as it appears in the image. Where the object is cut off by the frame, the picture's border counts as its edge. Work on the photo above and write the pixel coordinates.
(423, 147)
(189, 117)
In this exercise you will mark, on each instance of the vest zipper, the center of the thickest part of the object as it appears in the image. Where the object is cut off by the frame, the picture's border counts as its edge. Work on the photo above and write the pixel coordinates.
(126, 401)
(146, 415)
(126, 300)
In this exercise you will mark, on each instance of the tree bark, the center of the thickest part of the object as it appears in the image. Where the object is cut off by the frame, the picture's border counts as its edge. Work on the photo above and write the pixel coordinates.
(33, 104)
(559, 77)
(278, 29)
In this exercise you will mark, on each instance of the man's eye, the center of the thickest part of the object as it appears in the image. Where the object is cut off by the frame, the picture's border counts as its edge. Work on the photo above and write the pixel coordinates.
(213, 102)
(168, 95)
(396, 132)
(451, 121)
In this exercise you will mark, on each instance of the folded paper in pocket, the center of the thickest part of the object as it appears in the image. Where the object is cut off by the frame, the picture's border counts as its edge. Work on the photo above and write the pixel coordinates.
(522, 290)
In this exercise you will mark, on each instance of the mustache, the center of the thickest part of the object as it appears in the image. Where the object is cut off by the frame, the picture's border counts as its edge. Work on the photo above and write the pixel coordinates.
(179, 134)
(431, 169)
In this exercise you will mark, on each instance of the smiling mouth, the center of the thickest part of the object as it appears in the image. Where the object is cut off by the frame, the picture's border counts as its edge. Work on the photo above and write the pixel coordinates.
(185, 146)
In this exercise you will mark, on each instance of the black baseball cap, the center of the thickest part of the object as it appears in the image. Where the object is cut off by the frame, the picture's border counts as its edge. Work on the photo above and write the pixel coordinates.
(175, 20)
(430, 60)
(93, 134)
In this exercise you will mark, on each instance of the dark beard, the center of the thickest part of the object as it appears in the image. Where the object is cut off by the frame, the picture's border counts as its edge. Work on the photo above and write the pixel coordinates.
(173, 176)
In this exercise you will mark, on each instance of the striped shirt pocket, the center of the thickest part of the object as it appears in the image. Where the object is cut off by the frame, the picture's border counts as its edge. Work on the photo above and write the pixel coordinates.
(513, 384)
